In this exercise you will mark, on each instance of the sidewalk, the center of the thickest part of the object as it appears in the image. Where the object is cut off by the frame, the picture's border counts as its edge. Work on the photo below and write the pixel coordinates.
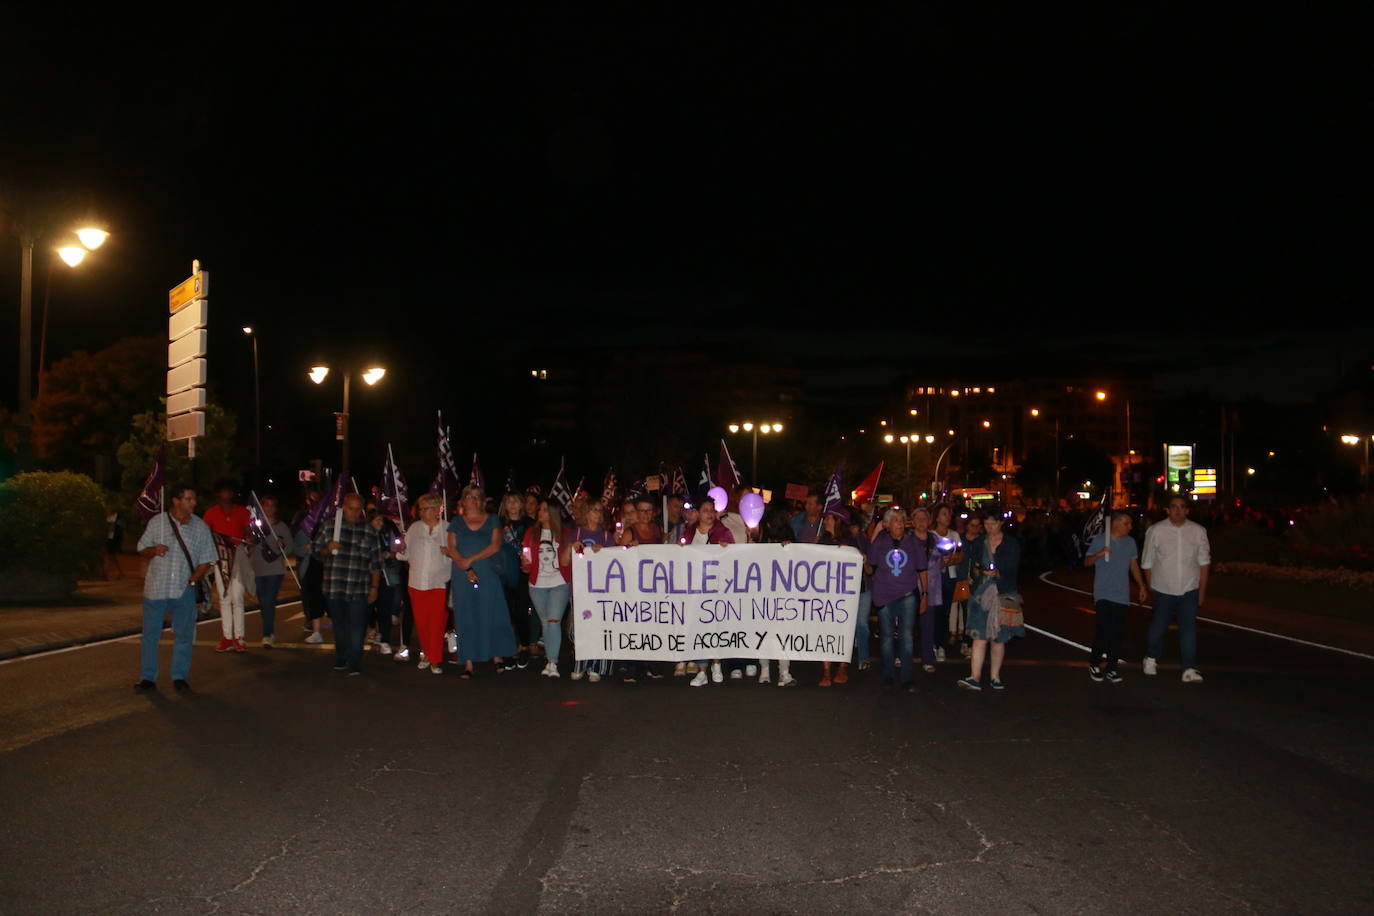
(99, 610)
(1331, 631)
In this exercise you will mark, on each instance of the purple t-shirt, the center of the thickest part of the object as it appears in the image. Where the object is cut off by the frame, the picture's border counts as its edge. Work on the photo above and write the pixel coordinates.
(591, 536)
(896, 568)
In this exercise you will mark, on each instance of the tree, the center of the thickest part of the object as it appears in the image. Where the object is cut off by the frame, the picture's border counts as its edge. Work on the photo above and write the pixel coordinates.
(85, 402)
(149, 432)
(1078, 462)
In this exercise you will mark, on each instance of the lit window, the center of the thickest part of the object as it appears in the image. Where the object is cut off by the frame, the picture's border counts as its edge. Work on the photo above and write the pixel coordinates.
(992, 391)
(978, 391)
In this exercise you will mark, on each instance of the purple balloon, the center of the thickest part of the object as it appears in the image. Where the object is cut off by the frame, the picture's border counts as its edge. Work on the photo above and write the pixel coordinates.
(718, 496)
(751, 509)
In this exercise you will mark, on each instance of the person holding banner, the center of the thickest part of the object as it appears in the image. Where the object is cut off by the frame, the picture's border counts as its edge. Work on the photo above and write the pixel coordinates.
(479, 599)
(625, 525)
(426, 550)
(709, 530)
(837, 532)
(994, 609)
(775, 529)
(270, 573)
(544, 557)
(898, 593)
(593, 537)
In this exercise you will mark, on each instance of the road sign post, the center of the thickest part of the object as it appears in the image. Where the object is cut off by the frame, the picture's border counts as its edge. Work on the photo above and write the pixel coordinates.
(187, 343)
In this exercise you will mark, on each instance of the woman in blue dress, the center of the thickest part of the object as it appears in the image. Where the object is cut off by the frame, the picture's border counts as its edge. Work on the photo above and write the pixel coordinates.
(479, 596)
(994, 608)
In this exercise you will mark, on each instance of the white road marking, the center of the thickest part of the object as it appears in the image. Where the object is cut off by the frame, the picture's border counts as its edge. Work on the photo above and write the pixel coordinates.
(1220, 623)
(102, 642)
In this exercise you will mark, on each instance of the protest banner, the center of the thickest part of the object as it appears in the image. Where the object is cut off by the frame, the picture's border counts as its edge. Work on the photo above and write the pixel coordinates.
(683, 603)
(797, 491)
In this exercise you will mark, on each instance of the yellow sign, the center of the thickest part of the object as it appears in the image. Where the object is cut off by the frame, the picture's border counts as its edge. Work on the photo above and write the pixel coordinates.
(1205, 481)
(196, 286)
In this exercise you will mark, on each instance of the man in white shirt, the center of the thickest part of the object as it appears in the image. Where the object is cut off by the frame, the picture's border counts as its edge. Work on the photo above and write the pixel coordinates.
(1176, 559)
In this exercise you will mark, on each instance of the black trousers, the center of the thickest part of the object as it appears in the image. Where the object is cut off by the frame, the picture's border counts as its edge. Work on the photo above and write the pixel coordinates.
(1111, 625)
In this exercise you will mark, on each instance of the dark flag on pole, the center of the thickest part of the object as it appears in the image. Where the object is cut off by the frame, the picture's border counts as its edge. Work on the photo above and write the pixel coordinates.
(394, 495)
(446, 481)
(832, 501)
(476, 479)
(679, 485)
(608, 491)
(149, 502)
(559, 492)
(1097, 523)
(323, 510)
(727, 475)
(705, 483)
(510, 480)
(260, 531)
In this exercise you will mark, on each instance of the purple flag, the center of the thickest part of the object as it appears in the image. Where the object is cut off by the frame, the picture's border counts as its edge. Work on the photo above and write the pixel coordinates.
(149, 502)
(446, 481)
(833, 501)
(608, 490)
(394, 495)
(679, 485)
(323, 510)
(260, 529)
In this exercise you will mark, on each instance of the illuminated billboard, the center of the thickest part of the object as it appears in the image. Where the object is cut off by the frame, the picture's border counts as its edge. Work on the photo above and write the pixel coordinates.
(1178, 463)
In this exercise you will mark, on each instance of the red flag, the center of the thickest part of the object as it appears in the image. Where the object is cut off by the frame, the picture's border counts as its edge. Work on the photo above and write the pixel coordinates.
(869, 488)
(727, 475)
(149, 502)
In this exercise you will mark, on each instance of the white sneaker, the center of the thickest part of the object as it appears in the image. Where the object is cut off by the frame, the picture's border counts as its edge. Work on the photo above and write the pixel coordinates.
(315, 638)
(424, 665)
(787, 681)
(716, 674)
(736, 675)
(550, 670)
(700, 679)
(452, 639)
(751, 670)
(576, 675)
(593, 677)
(1148, 666)
(403, 655)
(939, 654)
(763, 677)
(384, 648)
(269, 641)
(1191, 676)
(680, 669)
(436, 669)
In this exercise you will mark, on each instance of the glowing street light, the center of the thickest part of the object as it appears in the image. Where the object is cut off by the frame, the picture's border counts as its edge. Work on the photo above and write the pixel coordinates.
(72, 254)
(92, 237)
(749, 426)
(318, 374)
(372, 375)
(1101, 395)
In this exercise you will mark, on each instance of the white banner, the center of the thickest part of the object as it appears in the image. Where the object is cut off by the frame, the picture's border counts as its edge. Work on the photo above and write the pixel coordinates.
(684, 603)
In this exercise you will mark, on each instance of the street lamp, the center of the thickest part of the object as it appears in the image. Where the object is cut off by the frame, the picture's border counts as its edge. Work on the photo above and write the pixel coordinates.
(371, 376)
(1364, 467)
(749, 426)
(257, 404)
(907, 441)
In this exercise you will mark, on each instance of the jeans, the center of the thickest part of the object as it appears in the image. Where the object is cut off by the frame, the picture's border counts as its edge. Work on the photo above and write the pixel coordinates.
(861, 639)
(550, 604)
(1166, 607)
(900, 613)
(1111, 623)
(183, 612)
(268, 586)
(350, 628)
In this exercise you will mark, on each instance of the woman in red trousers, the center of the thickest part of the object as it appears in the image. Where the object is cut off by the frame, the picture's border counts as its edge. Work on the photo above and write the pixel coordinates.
(430, 567)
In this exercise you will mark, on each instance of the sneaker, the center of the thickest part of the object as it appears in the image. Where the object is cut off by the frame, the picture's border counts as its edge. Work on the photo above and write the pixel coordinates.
(269, 641)
(384, 648)
(522, 659)
(340, 667)
(423, 666)
(651, 672)
(737, 675)
(693, 667)
(628, 678)
(939, 654)
(593, 677)
(700, 679)
(373, 637)
(898, 663)
(144, 685)
(422, 657)
(716, 675)
(680, 669)
(239, 646)
(751, 670)
(764, 678)
(550, 670)
(436, 669)
(928, 669)
(1095, 672)
(1114, 678)
(576, 675)
(864, 666)
(355, 673)
(181, 685)
(1192, 676)
(1148, 666)
(403, 655)
(787, 681)
(225, 645)
(997, 684)
(969, 683)
(315, 639)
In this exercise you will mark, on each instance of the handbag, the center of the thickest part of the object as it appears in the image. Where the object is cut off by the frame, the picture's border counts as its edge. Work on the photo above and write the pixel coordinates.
(1009, 614)
(202, 596)
(961, 591)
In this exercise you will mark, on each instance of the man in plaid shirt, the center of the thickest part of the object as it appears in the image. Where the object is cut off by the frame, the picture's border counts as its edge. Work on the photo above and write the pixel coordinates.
(352, 570)
(170, 583)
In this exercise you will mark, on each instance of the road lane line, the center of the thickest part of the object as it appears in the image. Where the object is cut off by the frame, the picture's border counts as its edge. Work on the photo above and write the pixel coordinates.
(102, 642)
(1223, 623)
(1067, 642)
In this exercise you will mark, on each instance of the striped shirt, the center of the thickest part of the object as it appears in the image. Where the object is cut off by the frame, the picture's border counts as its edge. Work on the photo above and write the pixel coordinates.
(168, 576)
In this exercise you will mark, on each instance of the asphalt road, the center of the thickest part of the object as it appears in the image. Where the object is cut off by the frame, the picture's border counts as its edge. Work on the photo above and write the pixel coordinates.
(279, 786)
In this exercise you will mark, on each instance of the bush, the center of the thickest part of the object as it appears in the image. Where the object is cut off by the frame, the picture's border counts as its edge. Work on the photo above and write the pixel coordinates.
(52, 523)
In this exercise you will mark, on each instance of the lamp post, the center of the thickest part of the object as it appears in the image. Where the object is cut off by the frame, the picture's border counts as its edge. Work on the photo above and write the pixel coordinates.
(257, 405)
(90, 238)
(1364, 467)
(371, 376)
(749, 426)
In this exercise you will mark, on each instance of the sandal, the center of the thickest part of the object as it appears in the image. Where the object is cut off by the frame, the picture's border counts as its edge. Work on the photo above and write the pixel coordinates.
(465, 674)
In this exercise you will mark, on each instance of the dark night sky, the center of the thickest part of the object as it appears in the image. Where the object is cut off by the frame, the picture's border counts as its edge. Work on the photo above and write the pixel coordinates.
(1149, 184)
